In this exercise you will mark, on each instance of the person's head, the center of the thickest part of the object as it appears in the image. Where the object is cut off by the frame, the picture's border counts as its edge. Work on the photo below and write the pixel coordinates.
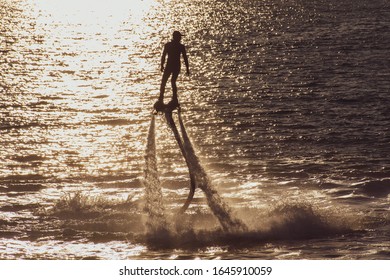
(176, 36)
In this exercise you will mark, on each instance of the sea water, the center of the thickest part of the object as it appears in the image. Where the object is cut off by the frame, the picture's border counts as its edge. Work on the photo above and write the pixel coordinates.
(287, 108)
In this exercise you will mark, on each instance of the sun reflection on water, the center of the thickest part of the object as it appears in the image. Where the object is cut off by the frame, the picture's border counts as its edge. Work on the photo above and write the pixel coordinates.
(91, 73)
(95, 41)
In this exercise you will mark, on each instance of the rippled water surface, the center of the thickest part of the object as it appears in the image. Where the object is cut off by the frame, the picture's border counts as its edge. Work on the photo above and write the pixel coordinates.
(287, 105)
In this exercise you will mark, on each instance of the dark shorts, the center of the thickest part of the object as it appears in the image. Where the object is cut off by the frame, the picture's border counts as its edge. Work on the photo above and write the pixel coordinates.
(172, 69)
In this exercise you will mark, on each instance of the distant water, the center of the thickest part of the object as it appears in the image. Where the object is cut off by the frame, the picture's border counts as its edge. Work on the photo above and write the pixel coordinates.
(288, 109)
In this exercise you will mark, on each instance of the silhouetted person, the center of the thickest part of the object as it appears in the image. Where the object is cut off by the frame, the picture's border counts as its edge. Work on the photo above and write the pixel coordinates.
(174, 50)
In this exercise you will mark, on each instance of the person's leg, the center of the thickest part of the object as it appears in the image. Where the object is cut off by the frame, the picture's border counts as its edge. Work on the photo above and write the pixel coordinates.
(174, 87)
(164, 80)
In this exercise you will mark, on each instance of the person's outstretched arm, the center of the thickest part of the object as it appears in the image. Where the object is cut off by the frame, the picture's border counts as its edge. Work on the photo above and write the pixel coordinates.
(186, 61)
(163, 58)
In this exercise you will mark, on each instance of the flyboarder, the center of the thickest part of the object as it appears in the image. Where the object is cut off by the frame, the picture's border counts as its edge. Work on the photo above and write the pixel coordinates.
(174, 49)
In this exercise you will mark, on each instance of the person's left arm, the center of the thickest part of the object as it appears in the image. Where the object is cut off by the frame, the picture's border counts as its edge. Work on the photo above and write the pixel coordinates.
(186, 60)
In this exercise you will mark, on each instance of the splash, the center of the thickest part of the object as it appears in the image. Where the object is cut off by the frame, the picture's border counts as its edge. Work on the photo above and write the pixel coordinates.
(200, 179)
(287, 221)
(292, 220)
(153, 195)
(191, 170)
(80, 216)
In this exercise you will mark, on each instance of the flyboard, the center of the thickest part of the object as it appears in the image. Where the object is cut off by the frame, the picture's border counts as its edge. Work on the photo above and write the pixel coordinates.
(167, 110)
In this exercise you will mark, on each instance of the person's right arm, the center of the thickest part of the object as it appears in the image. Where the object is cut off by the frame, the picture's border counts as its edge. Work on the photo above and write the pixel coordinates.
(163, 57)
